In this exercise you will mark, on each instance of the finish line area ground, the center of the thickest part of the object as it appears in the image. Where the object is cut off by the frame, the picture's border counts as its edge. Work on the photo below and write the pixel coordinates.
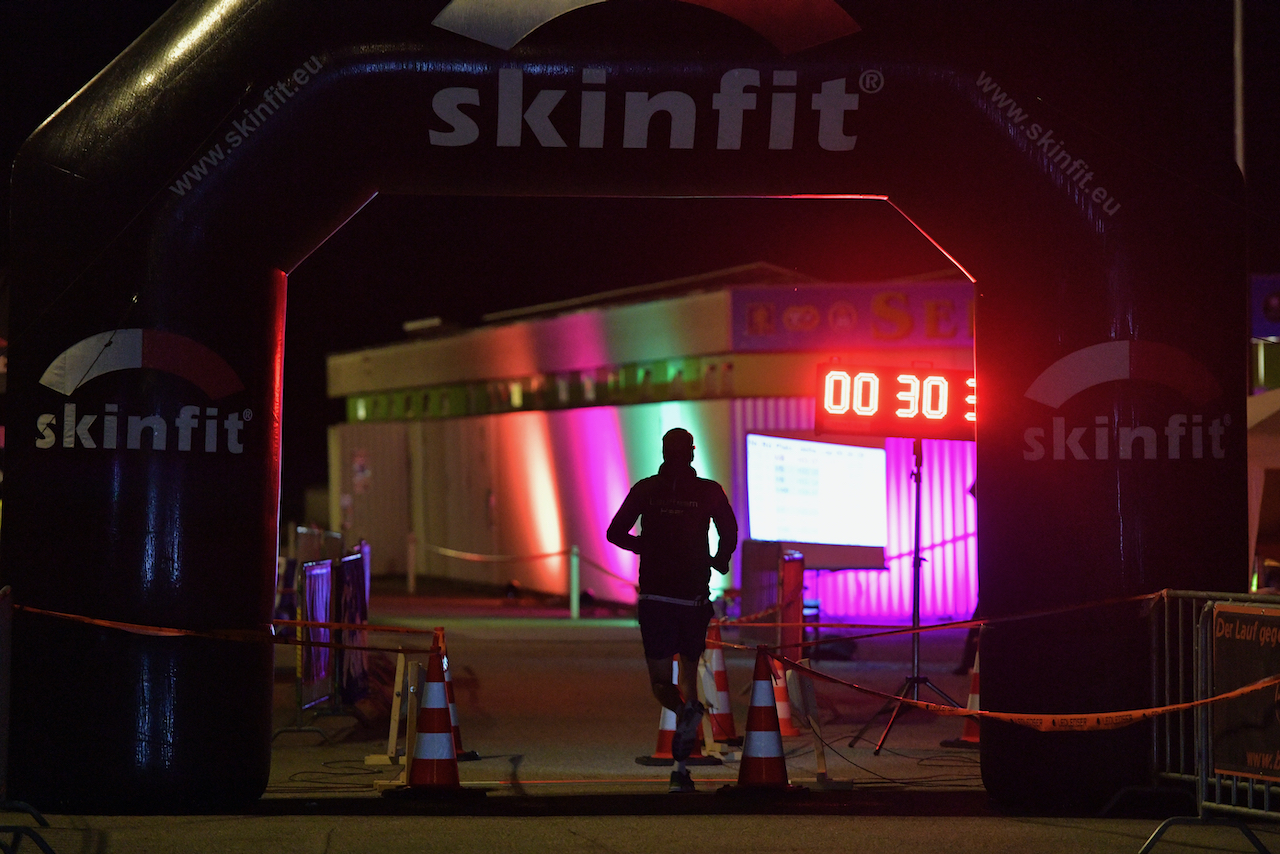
(557, 707)
(558, 712)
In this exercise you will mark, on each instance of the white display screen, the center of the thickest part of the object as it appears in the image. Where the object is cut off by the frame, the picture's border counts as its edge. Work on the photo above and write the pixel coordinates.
(816, 492)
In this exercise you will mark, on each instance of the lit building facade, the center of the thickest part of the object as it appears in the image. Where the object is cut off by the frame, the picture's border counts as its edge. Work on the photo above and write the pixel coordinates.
(485, 455)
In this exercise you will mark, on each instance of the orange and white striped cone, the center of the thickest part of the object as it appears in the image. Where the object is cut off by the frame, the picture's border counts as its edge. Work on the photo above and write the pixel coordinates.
(435, 762)
(969, 738)
(763, 766)
(782, 700)
(463, 755)
(719, 706)
(666, 733)
(432, 764)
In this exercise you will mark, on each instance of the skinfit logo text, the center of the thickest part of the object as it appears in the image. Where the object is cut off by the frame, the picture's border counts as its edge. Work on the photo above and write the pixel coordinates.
(745, 96)
(1181, 436)
(192, 429)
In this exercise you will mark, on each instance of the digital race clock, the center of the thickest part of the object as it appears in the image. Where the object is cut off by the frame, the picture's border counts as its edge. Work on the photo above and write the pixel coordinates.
(917, 403)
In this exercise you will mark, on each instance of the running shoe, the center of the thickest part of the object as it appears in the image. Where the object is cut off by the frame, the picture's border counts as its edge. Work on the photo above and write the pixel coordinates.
(681, 783)
(686, 735)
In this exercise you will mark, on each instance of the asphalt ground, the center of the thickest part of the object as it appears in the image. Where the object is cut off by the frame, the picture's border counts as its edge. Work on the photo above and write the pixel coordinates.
(558, 712)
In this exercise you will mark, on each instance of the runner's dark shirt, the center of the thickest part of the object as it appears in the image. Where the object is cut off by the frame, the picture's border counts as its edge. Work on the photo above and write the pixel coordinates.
(675, 507)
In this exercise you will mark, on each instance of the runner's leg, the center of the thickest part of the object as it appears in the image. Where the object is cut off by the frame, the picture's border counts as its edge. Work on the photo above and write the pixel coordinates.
(689, 677)
(660, 679)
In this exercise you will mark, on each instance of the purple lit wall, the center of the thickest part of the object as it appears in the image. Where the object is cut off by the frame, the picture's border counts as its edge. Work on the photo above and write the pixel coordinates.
(948, 524)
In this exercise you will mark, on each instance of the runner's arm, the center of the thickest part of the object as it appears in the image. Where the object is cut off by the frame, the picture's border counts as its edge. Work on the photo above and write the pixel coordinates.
(619, 531)
(727, 529)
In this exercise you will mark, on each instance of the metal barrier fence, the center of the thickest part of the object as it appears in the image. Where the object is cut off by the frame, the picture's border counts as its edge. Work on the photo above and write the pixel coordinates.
(314, 686)
(1182, 660)
(304, 545)
(330, 679)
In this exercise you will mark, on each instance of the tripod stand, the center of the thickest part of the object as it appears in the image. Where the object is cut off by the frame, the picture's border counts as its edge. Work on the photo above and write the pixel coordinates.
(913, 683)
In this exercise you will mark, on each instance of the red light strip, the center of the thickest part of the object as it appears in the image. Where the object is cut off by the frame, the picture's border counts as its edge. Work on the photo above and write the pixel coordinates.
(876, 197)
(936, 244)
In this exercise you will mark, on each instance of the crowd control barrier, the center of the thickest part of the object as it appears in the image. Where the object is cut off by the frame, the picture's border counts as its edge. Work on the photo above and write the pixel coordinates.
(331, 672)
(1195, 654)
(350, 607)
(304, 544)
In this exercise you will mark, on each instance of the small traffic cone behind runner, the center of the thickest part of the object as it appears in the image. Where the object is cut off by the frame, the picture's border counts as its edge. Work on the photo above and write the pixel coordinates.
(666, 732)
(435, 762)
(719, 707)
(463, 755)
(969, 738)
(763, 765)
(782, 700)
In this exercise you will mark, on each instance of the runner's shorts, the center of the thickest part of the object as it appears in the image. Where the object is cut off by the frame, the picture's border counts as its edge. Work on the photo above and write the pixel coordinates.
(668, 629)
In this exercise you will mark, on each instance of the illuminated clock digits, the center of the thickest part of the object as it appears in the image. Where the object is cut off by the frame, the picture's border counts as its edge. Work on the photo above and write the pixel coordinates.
(868, 384)
(911, 396)
(971, 399)
(835, 393)
(934, 401)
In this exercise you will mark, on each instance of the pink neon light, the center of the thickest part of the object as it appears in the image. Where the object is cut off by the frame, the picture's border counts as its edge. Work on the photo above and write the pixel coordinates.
(594, 479)
(948, 529)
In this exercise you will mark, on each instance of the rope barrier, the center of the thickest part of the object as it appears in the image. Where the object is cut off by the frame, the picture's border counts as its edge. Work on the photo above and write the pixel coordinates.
(1092, 721)
(591, 563)
(475, 557)
(248, 635)
(352, 627)
(235, 635)
(480, 558)
(750, 619)
(890, 631)
(251, 635)
(881, 628)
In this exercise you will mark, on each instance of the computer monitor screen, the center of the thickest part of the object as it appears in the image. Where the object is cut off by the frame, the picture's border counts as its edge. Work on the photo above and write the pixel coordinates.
(800, 491)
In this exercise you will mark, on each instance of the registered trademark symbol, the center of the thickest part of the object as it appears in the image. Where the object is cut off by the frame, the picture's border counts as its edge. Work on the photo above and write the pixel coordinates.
(248, 415)
(871, 81)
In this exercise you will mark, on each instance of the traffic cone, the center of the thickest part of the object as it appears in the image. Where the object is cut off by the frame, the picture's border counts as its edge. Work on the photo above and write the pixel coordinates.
(969, 738)
(434, 764)
(666, 732)
(463, 755)
(782, 699)
(719, 707)
(763, 764)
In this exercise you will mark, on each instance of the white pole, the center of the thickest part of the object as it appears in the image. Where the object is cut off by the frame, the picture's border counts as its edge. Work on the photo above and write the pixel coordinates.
(575, 583)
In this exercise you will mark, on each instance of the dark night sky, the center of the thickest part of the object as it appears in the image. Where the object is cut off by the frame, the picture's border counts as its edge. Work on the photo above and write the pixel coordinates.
(404, 258)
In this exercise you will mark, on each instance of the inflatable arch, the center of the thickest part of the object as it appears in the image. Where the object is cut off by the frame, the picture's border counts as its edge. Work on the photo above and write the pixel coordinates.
(157, 214)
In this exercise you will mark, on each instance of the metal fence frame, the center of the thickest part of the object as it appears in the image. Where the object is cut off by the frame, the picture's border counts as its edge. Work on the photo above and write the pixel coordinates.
(1182, 741)
(329, 680)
